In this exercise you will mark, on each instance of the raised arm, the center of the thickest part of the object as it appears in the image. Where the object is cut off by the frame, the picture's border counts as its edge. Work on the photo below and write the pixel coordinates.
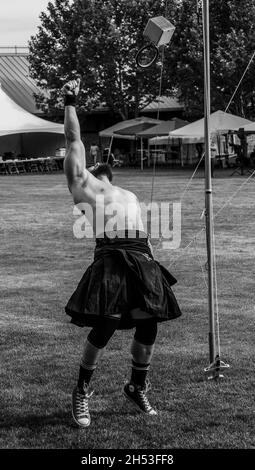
(75, 160)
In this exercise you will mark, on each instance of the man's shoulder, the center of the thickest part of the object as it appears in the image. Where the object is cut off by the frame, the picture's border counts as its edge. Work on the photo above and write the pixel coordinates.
(126, 192)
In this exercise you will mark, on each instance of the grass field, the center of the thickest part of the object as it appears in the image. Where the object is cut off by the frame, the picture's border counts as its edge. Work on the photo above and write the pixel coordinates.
(41, 263)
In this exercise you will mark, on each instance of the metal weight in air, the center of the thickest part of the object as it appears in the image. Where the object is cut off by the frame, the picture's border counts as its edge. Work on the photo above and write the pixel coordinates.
(159, 32)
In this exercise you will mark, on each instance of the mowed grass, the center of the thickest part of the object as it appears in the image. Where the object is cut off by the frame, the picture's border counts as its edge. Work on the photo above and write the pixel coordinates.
(41, 263)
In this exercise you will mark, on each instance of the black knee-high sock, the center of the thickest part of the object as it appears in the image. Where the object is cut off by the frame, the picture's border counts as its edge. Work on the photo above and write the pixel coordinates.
(84, 377)
(139, 373)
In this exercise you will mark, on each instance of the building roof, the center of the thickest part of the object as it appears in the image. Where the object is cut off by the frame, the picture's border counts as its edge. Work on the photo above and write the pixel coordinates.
(16, 82)
(20, 87)
(164, 103)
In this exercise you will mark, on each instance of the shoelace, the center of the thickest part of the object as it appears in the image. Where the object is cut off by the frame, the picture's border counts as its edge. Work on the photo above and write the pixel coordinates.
(142, 394)
(147, 387)
(82, 405)
(144, 400)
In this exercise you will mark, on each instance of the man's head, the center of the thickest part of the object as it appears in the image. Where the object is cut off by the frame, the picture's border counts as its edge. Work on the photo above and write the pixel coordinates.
(101, 170)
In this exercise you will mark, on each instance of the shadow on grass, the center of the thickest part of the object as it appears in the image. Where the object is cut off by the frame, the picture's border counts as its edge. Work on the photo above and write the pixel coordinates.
(62, 418)
(36, 420)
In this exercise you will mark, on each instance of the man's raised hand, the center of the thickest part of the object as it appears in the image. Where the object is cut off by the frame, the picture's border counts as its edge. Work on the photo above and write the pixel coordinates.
(72, 87)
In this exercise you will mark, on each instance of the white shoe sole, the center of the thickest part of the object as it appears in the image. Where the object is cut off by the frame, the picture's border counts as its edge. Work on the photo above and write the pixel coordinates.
(138, 407)
(79, 424)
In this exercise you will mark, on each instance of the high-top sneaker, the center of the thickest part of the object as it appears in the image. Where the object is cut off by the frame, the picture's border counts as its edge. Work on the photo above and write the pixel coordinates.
(80, 406)
(137, 395)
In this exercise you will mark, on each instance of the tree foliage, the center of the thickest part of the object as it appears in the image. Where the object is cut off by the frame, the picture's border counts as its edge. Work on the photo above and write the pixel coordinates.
(232, 43)
(98, 40)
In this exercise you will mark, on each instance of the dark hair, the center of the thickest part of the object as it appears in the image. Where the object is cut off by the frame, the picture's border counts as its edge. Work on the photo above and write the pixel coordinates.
(101, 169)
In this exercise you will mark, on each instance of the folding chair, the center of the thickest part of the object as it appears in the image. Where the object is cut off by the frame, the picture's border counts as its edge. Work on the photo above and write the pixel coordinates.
(3, 170)
(54, 165)
(34, 167)
(12, 168)
(117, 162)
(47, 165)
(40, 165)
(21, 167)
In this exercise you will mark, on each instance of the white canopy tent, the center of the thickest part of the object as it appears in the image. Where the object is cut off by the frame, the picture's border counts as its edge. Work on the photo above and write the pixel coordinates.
(249, 128)
(23, 133)
(220, 123)
(128, 130)
(115, 131)
(16, 120)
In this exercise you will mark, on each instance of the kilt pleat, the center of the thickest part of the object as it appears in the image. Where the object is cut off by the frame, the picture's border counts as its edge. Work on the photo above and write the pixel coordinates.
(121, 279)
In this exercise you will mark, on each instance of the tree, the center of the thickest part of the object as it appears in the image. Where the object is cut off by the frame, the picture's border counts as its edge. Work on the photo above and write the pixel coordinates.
(53, 52)
(232, 41)
(97, 40)
(233, 54)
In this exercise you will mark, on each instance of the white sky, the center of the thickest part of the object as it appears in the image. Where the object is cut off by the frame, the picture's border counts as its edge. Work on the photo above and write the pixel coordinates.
(19, 20)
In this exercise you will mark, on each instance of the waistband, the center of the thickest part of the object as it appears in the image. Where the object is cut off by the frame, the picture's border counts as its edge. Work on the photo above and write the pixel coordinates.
(116, 236)
(123, 242)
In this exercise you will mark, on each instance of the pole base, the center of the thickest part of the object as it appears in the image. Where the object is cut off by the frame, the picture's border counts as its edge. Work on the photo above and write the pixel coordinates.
(214, 370)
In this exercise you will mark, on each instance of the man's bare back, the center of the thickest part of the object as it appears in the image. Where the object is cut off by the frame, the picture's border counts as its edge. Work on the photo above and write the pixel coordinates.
(113, 208)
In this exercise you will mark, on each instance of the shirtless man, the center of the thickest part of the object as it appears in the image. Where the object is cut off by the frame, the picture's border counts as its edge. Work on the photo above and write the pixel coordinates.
(124, 287)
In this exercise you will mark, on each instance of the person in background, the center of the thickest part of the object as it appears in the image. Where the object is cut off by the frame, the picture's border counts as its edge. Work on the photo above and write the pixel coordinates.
(213, 156)
(252, 156)
(94, 149)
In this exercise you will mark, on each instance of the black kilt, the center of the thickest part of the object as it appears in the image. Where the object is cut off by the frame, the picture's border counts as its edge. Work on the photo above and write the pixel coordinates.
(123, 276)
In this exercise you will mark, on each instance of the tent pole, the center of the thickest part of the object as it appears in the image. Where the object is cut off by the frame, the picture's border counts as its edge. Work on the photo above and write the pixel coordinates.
(100, 147)
(141, 153)
(110, 149)
(181, 154)
(208, 180)
(180, 149)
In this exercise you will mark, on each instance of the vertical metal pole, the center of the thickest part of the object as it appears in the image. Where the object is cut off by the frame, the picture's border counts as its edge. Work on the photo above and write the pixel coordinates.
(149, 154)
(208, 179)
(141, 153)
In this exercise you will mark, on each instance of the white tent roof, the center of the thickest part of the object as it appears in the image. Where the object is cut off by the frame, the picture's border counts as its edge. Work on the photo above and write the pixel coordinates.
(249, 128)
(120, 126)
(220, 122)
(16, 120)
